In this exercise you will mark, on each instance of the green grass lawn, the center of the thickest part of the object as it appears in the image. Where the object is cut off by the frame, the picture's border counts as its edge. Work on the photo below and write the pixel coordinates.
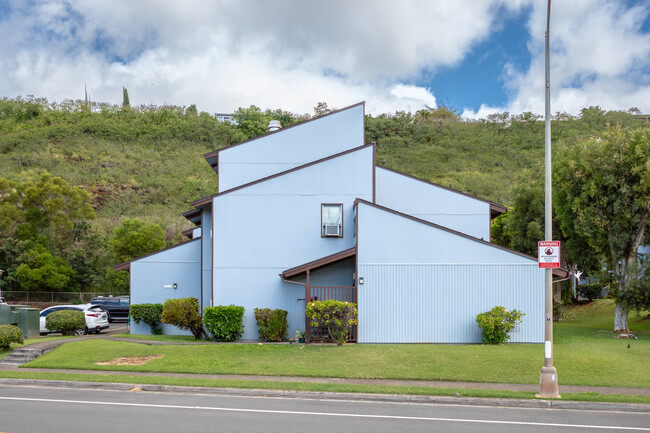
(586, 353)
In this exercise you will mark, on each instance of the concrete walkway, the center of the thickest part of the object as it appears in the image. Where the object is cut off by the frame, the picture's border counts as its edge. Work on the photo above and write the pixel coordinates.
(46, 346)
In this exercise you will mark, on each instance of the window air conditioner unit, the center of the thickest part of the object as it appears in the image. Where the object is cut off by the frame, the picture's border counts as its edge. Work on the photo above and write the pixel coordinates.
(332, 230)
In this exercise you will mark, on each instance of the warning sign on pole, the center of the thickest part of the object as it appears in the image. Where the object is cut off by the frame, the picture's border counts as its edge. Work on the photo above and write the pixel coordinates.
(549, 254)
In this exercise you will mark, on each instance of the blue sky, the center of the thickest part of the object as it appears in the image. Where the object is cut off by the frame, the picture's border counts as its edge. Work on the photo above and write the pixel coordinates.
(477, 56)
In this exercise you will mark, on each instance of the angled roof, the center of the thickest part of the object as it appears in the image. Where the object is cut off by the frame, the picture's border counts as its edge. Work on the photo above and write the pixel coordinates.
(559, 272)
(127, 265)
(206, 200)
(193, 215)
(213, 156)
(495, 208)
(319, 263)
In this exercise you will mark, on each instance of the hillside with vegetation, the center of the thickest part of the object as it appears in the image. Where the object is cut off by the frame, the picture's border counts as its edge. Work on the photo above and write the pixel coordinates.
(146, 163)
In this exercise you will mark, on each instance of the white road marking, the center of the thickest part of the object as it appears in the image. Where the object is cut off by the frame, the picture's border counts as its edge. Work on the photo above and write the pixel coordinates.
(332, 414)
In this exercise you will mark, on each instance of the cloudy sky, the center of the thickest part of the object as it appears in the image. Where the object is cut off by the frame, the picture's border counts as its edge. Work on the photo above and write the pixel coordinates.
(478, 56)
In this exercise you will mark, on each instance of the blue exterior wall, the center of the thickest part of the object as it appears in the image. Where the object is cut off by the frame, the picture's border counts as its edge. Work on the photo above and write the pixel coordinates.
(425, 285)
(206, 255)
(434, 204)
(149, 276)
(291, 147)
(266, 228)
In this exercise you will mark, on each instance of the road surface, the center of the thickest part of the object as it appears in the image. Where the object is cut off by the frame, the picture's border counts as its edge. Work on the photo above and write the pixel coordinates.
(28, 409)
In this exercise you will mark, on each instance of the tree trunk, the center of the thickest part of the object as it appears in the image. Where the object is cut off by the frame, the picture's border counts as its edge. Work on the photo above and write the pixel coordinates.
(620, 318)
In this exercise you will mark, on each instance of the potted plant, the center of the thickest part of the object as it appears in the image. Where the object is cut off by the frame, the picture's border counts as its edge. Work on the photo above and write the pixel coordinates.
(300, 336)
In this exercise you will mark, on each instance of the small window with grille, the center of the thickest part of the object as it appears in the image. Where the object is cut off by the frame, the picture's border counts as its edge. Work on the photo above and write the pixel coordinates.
(332, 220)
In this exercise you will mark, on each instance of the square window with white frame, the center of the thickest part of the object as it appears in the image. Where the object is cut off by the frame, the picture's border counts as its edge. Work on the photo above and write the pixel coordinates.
(332, 220)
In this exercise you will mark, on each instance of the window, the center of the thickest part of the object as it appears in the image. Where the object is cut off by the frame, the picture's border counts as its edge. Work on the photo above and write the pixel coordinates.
(332, 220)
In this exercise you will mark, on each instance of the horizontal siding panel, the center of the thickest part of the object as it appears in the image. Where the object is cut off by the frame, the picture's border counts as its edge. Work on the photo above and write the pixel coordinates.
(438, 303)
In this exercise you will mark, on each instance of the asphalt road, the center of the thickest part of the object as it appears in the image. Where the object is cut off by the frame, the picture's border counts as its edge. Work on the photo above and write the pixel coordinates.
(31, 409)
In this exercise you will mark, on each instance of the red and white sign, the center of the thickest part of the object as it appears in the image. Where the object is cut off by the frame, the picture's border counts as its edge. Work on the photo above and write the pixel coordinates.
(549, 254)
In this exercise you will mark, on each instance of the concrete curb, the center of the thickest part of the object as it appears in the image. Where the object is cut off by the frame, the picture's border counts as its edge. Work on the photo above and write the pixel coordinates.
(342, 396)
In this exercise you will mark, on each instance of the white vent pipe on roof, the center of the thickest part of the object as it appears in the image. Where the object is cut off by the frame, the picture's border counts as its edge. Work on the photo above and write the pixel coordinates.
(274, 125)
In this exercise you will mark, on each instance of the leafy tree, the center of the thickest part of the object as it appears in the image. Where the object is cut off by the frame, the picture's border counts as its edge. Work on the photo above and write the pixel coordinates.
(135, 238)
(41, 270)
(125, 99)
(603, 196)
(322, 108)
(47, 210)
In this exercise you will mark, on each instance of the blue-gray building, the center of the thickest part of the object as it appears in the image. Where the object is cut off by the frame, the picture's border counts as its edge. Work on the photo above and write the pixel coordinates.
(306, 213)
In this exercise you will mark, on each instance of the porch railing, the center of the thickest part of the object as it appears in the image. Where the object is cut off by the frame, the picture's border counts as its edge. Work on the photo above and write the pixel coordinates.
(323, 293)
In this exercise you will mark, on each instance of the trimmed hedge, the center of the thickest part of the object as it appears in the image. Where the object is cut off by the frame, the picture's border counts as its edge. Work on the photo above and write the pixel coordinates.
(184, 314)
(497, 323)
(67, 322)
(271, 324)
(151, 314)
(10, 334)
(224, 322)
(335, 316)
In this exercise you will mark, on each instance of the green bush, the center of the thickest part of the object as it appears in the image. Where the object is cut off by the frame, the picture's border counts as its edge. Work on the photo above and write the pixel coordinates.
(497, 323)
(224, 322)
(271, 324)
(67, 322)
(334, 316)
(590, 291)
(184, 314)
(10, 334)
(151, 314)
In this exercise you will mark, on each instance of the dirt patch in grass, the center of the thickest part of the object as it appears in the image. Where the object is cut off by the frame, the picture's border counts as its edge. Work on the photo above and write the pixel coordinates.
(131, 360)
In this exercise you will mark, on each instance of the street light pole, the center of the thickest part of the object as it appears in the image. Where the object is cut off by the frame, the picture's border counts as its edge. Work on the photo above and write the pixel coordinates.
(548, 385)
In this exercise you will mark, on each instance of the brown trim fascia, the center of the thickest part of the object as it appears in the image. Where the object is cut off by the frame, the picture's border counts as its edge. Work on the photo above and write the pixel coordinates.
(493, 206)
(194, 216)
(206, 200)
(216, 152)
(319, 263)
(188, 233)
(124, 266)
(464, 235)
(496, 210)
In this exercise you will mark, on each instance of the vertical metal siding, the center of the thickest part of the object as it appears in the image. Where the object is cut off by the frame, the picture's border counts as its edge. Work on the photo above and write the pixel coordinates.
(438, 303)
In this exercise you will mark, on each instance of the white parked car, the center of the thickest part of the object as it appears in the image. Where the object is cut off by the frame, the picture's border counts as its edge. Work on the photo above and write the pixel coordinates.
(96, 318)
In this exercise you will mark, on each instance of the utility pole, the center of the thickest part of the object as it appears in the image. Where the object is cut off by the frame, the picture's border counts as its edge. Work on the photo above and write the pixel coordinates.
(548, 385)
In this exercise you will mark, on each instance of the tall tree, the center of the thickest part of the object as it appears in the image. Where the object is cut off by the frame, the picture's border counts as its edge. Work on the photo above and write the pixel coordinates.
(603, 196)
(135, 238)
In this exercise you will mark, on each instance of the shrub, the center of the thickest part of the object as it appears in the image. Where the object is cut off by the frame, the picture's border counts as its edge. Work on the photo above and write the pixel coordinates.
(184, 314)
(67, 322)
(497, 323)
(151, 314)
(271, 324)
(335, 316)
(590, 291)
(10, 334)
(224, 322)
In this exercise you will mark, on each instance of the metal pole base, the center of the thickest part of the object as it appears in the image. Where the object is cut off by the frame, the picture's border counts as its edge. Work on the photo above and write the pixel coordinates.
(548, 386)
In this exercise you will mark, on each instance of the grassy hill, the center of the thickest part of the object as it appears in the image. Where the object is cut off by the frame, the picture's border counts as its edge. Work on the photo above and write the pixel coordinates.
(147, 162)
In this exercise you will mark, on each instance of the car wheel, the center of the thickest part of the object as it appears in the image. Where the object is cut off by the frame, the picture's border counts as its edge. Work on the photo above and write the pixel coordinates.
(108, 317)
(83, 331)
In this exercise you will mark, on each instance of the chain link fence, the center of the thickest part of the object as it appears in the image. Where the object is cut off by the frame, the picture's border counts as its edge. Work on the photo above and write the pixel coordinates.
(53, 297)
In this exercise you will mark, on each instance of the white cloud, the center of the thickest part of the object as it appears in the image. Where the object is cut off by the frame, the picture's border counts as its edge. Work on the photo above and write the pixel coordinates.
(599, 56)
(221, 55)
(292, 54)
